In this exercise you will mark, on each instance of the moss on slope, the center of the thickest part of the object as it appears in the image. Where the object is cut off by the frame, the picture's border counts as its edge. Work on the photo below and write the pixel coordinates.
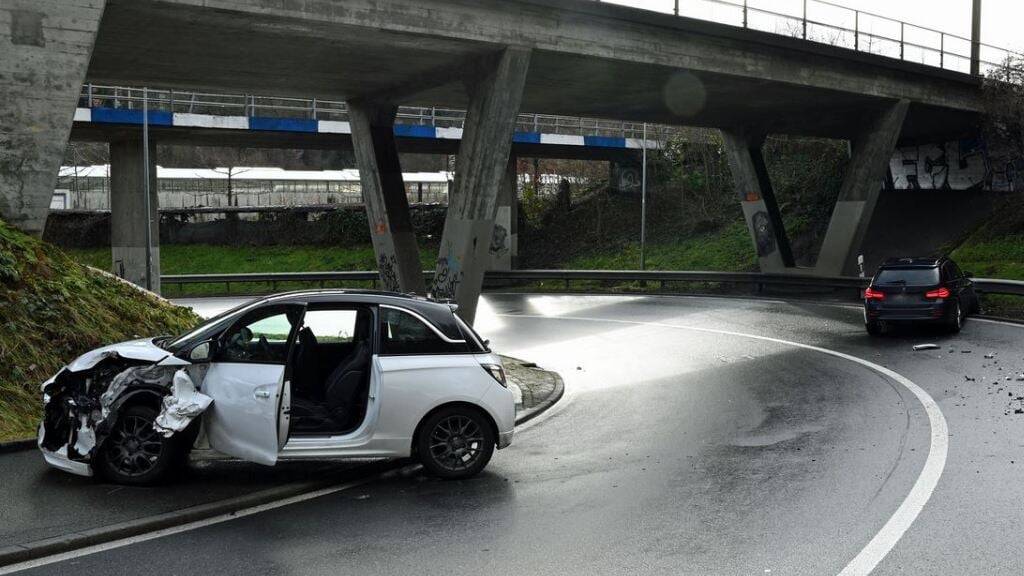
(53, 309)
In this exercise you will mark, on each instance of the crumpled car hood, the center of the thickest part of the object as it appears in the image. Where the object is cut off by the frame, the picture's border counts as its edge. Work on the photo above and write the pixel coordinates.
(142, 349)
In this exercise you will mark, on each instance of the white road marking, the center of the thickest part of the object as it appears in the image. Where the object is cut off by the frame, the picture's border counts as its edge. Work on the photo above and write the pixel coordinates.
(72, 554)
(885, 540)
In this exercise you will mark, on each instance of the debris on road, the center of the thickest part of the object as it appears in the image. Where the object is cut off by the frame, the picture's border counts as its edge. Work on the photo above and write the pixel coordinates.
(969, 378)
(990, 355)
(920, 347)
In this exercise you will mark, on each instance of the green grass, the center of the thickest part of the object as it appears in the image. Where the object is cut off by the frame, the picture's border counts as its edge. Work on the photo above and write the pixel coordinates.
(728, 250)
(1000, 257)
(52, 310)
(217, 259)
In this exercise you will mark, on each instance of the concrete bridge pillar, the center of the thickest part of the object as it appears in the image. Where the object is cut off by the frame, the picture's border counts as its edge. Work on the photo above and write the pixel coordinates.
(384, 194)
(757, 197)
(128, 218)
(494, 99)
(45, 46)
(871, 153)
(504, 248)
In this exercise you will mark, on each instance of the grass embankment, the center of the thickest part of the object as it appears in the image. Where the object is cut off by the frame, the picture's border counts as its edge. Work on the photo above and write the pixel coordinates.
(51, 310)
(989, 254)
(216, 259)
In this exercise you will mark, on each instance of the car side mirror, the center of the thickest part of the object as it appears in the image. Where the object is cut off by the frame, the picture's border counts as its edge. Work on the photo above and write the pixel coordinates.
(202, 352)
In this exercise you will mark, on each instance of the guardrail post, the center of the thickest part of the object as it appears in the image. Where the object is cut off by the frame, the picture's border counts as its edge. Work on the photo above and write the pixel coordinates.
(902, 33)
(856, 30)
(942, 49)
(314, 108)
(805, 20)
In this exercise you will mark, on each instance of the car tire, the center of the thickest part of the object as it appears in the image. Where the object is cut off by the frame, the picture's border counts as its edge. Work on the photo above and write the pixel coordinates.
(134, 453)
(874, 327)
(455, 442)
(957, 321)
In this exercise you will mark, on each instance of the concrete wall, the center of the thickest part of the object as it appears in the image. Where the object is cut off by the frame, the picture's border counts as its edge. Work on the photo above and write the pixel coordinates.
(45, 47)
(923, 222)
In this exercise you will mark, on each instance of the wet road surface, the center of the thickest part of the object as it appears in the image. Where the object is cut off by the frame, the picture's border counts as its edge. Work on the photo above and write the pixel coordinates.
(677, 452)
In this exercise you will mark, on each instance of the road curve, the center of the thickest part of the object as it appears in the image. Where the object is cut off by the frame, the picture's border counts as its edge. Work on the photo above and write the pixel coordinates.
(680, 451)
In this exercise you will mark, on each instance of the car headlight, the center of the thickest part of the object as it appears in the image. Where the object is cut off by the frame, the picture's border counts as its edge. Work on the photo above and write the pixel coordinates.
(496, 372)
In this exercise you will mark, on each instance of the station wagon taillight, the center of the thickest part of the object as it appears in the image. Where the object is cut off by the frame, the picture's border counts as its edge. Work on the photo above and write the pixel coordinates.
(872, 294)
(940, 293)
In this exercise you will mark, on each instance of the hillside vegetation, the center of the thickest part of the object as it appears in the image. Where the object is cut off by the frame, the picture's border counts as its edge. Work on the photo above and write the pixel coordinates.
(51, 310)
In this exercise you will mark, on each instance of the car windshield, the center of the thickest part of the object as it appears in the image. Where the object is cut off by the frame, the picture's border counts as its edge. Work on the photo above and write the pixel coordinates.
(908, 276)
(204, 331)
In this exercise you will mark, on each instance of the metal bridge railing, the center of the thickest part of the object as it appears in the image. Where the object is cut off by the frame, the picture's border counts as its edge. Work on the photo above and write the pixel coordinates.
(170, 100)
(838, 25)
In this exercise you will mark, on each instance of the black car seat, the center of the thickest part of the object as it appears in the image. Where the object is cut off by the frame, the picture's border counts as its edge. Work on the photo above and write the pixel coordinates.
(346, 386)
(307, 380)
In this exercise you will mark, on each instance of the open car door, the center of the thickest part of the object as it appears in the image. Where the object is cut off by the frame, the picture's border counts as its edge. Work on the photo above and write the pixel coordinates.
(249, 382)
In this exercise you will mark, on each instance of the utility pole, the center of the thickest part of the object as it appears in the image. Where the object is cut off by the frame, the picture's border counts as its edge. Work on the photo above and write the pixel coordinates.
(643, 204)
(976, 38)
(146, 190)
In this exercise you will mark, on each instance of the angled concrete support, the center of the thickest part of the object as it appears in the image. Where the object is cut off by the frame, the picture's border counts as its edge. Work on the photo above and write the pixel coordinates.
(495, 96)
(128, 217)
(384, 194)
(45, 46)
(760, 208)
(871, 153)
(504, 247)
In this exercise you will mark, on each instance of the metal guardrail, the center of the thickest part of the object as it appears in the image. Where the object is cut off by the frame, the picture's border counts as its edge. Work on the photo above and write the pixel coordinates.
(758, 280)
(830, 23)
(171, 100)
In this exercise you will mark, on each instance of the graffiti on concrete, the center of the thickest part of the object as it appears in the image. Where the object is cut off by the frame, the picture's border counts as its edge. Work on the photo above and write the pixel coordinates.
(954, 165)
(499, 241)
(447, 277)
(764, 236)
(387, 265)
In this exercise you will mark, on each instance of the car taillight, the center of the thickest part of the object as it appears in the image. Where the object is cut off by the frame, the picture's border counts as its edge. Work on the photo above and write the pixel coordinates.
(496, 372)
(872, 294)
(940, 293)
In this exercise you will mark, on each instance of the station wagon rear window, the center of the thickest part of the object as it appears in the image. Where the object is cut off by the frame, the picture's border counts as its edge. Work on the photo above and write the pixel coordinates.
(908, 277)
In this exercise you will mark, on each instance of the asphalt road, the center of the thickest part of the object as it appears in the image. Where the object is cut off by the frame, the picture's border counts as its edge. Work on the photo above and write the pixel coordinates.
(678, 451)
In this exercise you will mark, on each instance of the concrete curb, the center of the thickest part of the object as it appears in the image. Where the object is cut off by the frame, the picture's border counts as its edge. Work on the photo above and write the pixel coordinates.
(81, 539)
(556, 395)
(17, 445)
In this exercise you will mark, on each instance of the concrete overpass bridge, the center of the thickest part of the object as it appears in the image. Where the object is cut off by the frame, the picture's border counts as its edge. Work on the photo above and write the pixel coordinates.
(493, 58)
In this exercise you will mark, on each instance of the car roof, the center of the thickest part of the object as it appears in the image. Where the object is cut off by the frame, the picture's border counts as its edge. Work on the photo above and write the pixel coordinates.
(914, 262)
(438, 313)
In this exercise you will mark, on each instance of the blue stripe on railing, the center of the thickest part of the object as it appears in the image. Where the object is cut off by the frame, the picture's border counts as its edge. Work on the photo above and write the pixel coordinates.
(415, 131)
(122, 116)
(282, 124)
(526, 137)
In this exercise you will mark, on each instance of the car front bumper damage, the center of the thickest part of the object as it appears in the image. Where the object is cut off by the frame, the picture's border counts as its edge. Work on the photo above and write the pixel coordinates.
(81, 403)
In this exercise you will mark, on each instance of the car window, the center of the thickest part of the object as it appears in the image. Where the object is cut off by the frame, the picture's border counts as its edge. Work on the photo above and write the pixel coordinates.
(908, 276)
(955, 272)
(260, 339)
(403, 333)
(331, 325)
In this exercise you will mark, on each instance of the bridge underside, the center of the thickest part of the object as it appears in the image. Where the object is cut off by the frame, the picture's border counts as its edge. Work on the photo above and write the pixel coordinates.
(205, 49)
(493, 58)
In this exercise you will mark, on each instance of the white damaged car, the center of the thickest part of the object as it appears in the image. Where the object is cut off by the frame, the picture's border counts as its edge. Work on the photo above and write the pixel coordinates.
(317, 374)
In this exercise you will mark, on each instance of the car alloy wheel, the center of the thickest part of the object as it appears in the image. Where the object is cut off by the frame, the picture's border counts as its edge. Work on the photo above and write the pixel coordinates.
(456, 442)
(134, 448)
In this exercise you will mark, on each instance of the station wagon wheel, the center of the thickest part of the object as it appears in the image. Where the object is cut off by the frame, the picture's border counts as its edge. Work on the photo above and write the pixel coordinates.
(455, 442)
(134, 452)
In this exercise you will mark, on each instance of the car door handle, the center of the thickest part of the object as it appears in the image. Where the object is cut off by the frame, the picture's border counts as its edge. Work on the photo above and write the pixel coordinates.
(262, 394)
